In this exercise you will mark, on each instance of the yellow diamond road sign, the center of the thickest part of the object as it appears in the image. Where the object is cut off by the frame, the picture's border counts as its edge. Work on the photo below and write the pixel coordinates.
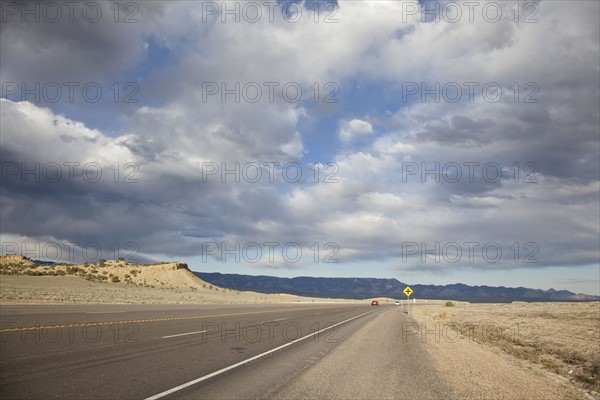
(408, 291)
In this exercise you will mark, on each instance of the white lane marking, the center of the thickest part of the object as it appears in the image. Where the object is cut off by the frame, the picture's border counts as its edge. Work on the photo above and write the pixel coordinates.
(279, 319)
(104, 312)
(219, 372)
(182, 334)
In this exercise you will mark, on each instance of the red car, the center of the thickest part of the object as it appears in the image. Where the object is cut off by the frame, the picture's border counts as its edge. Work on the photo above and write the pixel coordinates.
(374, 303)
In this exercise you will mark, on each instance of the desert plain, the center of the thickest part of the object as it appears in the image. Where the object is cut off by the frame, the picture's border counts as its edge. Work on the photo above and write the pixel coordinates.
(509, 350)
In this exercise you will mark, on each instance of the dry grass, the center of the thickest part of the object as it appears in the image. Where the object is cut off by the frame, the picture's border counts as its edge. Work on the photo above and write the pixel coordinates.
(563, 337)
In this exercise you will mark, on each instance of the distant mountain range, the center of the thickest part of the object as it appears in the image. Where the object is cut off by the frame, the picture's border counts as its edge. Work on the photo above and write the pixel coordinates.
(360, 288)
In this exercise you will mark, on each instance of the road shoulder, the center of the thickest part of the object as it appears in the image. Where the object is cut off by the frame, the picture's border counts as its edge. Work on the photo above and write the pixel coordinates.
(373, 363)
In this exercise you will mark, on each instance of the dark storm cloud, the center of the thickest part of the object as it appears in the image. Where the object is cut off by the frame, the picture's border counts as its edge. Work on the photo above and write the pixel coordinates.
(459, 130)
(76, 48)
(370, 212)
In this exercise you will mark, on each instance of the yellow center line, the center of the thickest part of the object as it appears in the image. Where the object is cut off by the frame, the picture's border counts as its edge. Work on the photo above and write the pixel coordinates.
(140, 321)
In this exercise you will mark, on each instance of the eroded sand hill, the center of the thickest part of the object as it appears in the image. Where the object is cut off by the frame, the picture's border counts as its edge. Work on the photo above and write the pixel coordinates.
(23, 281)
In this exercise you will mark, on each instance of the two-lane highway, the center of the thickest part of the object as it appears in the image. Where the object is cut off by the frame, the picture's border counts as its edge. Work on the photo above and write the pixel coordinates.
(133, 351)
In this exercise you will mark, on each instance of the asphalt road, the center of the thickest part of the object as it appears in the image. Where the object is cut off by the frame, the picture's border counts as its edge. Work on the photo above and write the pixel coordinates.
(180, 351)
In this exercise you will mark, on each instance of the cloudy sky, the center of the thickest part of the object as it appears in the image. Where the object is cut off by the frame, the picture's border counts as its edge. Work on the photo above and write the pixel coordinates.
(431, 142)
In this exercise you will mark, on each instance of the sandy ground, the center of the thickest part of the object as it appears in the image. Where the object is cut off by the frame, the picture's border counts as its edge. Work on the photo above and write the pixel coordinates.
(67, 289)
(514, 351)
